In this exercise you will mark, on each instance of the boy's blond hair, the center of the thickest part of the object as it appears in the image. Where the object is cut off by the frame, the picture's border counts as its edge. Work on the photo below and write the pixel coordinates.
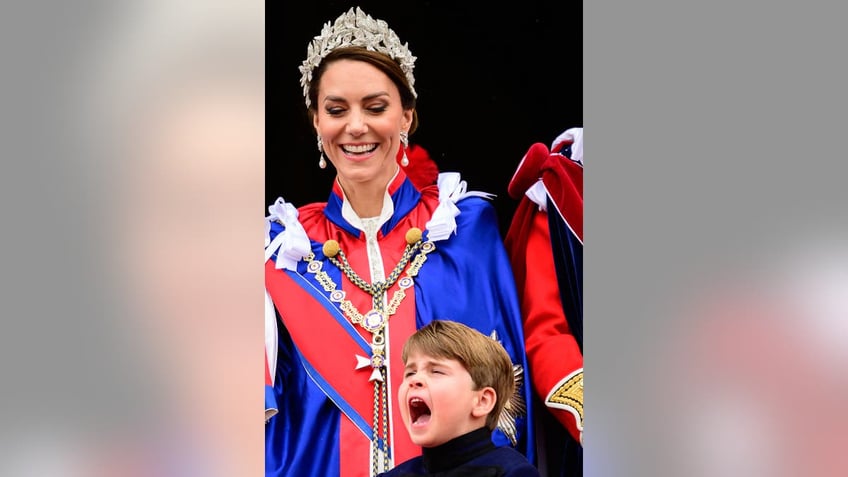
(485, 359)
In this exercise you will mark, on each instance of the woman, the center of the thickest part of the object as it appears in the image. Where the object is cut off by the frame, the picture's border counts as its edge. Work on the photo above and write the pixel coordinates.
(349, 280)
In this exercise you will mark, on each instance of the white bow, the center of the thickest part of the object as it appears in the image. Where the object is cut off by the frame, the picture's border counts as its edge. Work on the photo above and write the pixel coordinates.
(292, 244)
(452, 189)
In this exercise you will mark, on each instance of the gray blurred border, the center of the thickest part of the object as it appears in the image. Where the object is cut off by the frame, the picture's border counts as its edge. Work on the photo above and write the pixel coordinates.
(715, 144)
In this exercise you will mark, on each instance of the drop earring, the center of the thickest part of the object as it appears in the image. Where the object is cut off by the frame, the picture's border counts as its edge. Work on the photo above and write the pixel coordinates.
(404, 140)
(322, 163)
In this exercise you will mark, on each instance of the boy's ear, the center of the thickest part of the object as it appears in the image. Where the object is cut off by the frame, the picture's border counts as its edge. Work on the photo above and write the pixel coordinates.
(486, 399)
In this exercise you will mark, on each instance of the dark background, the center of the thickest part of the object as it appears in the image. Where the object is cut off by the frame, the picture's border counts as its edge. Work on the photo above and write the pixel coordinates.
(491, 81)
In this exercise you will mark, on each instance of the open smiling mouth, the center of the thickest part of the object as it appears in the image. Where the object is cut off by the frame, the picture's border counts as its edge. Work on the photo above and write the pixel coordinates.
(361, 149)
(419, 412)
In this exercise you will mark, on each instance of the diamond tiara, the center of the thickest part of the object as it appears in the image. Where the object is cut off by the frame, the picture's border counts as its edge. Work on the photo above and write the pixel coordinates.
(355, 28)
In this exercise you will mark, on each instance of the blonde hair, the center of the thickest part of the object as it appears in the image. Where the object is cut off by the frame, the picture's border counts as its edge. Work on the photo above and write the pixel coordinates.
(485, 359)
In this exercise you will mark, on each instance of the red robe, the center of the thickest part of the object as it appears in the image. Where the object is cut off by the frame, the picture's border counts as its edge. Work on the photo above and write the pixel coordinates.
(545, 241)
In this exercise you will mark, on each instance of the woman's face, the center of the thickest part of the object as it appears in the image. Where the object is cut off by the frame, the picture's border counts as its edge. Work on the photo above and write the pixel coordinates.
(359, 119)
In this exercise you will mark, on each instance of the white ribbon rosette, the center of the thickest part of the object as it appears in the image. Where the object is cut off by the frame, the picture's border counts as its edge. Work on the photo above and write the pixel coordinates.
(452, 189)
(292, 244)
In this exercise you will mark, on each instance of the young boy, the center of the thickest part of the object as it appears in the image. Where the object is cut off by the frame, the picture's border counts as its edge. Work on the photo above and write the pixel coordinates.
(455, 385)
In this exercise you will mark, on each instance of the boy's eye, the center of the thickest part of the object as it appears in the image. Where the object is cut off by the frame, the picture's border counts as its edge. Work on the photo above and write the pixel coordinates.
(408, 374)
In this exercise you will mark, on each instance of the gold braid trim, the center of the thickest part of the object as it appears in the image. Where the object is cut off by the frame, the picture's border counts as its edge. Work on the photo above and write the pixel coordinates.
(568, 395)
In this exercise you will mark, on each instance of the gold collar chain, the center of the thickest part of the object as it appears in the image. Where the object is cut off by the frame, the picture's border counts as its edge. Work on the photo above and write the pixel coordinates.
(374, 320)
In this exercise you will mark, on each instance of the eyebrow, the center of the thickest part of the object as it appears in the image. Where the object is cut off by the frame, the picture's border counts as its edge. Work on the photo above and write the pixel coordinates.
(366, 98)
(429, 362)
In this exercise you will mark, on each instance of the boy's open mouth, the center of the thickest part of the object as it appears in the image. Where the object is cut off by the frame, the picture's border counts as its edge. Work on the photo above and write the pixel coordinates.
(419, 412)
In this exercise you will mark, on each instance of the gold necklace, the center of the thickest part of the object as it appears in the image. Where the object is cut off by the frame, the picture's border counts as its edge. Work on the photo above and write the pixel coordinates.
(374, 321)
